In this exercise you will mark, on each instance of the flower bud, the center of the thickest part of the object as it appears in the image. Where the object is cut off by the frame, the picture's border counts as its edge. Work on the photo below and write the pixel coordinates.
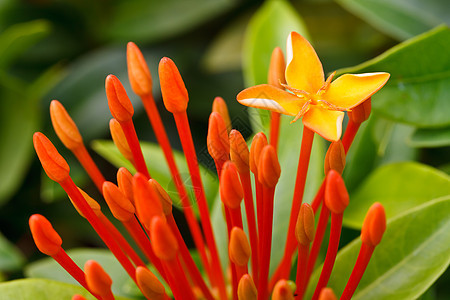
(149, 284)
(174, 93)
(327, 294)
(217, 140)
(282, 291)
(120, 140)
(231, 191)
(258, 143)
(239, 152)
(118, 203)
(247, 289)
(53, 163)
(64, 126)
(361, 112)
(164, 243)
(219, 106)
(125, 183)
(78, 297)
(45, 237)
(146, 200)
(163, 197)
(335, 157)
(277, 68)
(97, 279)
(91, 202)
(336, 195)
(304, 229)
(269, 169)
(138, 72)
(374, 225)
(239, 248)
(118, 101)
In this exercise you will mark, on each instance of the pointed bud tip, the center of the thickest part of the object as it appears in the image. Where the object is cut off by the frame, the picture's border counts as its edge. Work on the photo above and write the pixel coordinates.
(125, 183)
(45, 237)
(90, 201)
(336, 195)
(277, 68)
(53, 163)
(119, 139)
(239, 248)
(327, 294)
(147, 202)
(120, 206)
(163, 197)
(231, 192)
(374, 225)
(78, 297)
(258, 143)
(282, 291)
(335, 157)
(239, 153)
(174, 93)
(163, 240)
(246, 288)
(64, 126)
(220, 106)
(118, 101)
(269, 169)
(149, 284)
(138, 72)
(97, 279)
(304, 229)
(217, 139)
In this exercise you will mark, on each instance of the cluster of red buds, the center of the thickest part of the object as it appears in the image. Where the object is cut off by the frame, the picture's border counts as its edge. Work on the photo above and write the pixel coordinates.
(144, 207)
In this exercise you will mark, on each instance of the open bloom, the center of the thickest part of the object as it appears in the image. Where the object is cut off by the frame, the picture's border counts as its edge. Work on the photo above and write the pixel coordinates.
(320, 102)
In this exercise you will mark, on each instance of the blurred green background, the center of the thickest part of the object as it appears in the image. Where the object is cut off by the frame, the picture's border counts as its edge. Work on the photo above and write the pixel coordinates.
(64, 50)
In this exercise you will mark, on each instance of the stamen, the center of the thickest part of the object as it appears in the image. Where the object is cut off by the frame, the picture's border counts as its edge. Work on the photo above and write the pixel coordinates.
(298, 93)
(302, 111)
(98, 280)
(330, 106)
(326, 85)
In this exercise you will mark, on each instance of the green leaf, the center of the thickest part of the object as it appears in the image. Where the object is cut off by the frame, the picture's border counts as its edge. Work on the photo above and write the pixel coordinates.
(41, 289)
(417, 92)
(411, 256)
(401, 19)
(159, 170)
(49, 269)
(146, 21)
(430, 138)
(399, 187)
(11, 259)
(268, 29)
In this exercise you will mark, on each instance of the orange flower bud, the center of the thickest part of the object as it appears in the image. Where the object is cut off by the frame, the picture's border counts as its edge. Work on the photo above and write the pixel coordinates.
(97, 279)
(138, 72)
(174, 93)
(163, 197)
(118, 203)
(220, 106)
(78, 297)
(91, 202)
(125, 183)
(239, 152)
(247, 289)
(64, 126)
(258, 143)
(374, 225)
(45, 237)
(282, 291)
(146, 200)
(231, 191)
(163, 240)
(327, 294)
(336, 195)
(239, 248)
(119, 139)
(304, 229)
(217, 140)
(269, 169)
(361, 112)
(149, 284)
(277, 68)
(118, 101)
(53, 163)
(335, 157)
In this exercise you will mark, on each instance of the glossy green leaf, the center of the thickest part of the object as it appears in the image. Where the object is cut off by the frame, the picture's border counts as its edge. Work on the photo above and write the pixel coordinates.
(42, 289)
(145, 21)
(430, 138)
(158, 169)
(11, 258)
(399, 187)
(268, 29)
(413, 253)
(401, 19)
(49, 269)
(417, 92)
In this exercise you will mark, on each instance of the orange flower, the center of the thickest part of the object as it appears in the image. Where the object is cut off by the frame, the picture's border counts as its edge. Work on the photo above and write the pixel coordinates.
(320, 102)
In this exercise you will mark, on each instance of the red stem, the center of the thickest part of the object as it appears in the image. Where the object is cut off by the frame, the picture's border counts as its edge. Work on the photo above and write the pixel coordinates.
(71, 189)
(319, 196)
(135, 147)
(349, 135)
(303, 252)
(163, 140)
(173, 283)
(259, 208)
(182, 282)
(274, 128)
(89, 165)
(266, 237)
(365, 253)
(333, 245)
(251, 222)
(185, 135)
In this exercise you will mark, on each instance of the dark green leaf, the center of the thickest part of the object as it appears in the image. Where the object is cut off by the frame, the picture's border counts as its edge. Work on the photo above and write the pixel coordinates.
(399, 187)
(429, 138)
(417, 92)
(11, 258)
(412, 255)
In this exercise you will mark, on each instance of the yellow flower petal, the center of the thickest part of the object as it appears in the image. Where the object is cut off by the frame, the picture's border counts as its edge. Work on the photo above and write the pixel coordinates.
(271, 98)
(326, 123)
(350, 90)
(304, 70)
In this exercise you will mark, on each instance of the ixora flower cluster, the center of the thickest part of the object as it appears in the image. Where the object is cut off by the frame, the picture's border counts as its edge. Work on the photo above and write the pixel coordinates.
(145, 208)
